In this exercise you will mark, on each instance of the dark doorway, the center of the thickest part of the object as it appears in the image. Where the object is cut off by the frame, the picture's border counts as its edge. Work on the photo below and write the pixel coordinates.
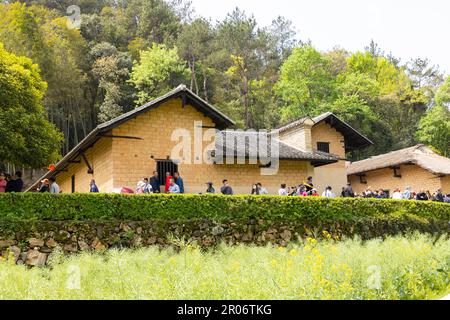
(163, 166)
(73, 183)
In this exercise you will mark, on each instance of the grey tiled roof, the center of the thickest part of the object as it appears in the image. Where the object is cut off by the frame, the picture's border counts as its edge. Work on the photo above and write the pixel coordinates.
(242, 146)
(419, 155)
(353, 138)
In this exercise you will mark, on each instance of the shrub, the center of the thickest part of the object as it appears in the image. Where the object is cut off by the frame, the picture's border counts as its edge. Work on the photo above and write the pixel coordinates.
(34, 206)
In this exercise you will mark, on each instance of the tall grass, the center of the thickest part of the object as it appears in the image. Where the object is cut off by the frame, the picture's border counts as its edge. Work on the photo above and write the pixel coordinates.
(413, 267)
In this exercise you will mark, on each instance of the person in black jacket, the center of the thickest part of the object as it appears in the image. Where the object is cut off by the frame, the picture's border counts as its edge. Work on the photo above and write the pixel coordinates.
(154, 182)
(439, 197)
(15, 183)
(422, 196)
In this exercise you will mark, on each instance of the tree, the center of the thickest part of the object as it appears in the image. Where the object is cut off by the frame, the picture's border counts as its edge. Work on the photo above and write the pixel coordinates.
(28, 139)
(305, 82)
(195, 45)
(434, 129)
(35, 32)
(443, 94)
(111, 69)
(159, 70)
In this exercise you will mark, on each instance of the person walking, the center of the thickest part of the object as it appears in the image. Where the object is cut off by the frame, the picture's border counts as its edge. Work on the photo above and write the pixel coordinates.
(147, 186)
(422, 196)
(226, 189)
(140, 186)
(447, 198)
(2, 182)
(210, 188)
(397, 195)
(154, 182)
(167, 185)
(15, 183)
(179, 181)
(407, 193)
(173, 187)
(308, 185)
(439, 197)
(44, 186)
(54, 187)
(348, 191)
(328, 193)
(283, 190)
(261, 189)
(93, 187)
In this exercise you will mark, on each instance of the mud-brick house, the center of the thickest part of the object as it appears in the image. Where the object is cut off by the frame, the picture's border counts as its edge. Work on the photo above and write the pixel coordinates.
(417, 167)
(121, 151)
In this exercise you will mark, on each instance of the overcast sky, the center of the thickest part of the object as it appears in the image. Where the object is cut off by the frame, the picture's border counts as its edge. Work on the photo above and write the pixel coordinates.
(407, 28)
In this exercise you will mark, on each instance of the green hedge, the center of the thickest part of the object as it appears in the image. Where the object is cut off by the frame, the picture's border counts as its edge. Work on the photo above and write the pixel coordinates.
(34, 206)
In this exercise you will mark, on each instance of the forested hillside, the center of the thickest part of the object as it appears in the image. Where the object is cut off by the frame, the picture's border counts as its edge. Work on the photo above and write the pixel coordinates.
(127, 52)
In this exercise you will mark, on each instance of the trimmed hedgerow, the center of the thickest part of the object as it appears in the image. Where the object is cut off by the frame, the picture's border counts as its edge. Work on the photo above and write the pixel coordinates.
(35, 206)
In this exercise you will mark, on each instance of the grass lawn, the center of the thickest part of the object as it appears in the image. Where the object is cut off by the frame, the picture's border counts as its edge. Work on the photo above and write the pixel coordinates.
(413, 267)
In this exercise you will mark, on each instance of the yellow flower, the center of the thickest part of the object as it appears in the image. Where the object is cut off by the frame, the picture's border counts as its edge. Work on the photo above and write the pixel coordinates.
(274, 263)
(281, 249)
(172, 260)
(326, 234)
(311, 241)
(290, 263)
(293, 252)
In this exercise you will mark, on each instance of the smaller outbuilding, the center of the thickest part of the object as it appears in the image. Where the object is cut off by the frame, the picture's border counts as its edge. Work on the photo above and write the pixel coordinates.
(417, 167)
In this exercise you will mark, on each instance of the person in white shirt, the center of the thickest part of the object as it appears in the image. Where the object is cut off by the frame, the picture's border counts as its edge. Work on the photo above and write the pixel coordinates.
(173, 187)
(54, 187)
(283, 190)
(397, 194)
(328, 193)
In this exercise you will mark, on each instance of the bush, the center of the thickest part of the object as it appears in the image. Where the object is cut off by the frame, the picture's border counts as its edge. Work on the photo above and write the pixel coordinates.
(34, 206)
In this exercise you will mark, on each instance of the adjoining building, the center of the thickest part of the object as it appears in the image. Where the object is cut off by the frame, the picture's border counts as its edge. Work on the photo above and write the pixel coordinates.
(417, 167)
(122, 151)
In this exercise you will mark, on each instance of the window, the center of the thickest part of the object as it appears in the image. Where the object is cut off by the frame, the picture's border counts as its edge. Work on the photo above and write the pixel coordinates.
(362, 178)
(397, 173)
(163, 166)
(323, 146)
(73, 183)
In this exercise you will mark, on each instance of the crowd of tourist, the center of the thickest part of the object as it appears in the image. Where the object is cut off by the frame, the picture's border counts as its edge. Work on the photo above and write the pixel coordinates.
(174, 185)
(407, 194)
(11, 183)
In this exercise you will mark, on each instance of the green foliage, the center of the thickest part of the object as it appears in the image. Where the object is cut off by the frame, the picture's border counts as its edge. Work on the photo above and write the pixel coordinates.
(434, 129)
(275, 78)
(27, 138)
(396, 268)
(36, 206)
(44, 36)
(111, 69)
(305, 81)
(157, 72)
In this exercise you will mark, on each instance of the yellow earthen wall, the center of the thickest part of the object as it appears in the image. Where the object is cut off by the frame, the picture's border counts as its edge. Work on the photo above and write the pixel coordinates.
(133, 158)
(334, 174)
(414, 176)
(100, 158)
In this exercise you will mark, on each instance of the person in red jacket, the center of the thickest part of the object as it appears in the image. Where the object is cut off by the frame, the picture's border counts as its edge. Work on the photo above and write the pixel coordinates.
(168, 178)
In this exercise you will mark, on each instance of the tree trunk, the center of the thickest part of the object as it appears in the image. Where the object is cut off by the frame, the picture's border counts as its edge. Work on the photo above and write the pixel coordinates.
(246, 103)
(205, 90)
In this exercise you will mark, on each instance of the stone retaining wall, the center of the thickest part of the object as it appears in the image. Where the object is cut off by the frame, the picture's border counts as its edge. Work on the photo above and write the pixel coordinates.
(31, 243)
